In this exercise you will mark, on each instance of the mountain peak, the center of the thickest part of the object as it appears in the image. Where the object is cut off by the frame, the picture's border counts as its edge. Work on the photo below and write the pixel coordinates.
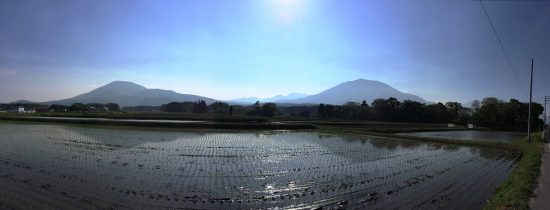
(124, 84)
(355, 91)
(119, 87)
(130, 94)
(365, 81)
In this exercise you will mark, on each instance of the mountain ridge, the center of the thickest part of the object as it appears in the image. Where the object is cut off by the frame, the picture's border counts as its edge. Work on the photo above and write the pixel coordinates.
(130, 94)
(355, 91)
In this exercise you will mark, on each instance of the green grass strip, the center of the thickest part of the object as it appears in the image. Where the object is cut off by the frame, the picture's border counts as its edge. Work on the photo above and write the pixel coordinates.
(516, 191)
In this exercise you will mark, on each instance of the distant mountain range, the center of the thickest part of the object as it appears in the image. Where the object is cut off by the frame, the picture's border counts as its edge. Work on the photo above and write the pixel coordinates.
(131, 94)
(272, 99)
(22, 102)
(355, 91)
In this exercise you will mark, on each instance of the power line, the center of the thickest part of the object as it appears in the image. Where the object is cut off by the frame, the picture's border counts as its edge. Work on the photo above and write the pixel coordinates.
(502, 47)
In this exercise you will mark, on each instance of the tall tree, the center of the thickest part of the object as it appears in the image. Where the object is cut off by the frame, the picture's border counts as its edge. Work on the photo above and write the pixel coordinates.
(269, 109)
(412, 111)
(78, 107)
(114, 107)
(476, 105)
(381, 109)
(321, 111)
(365, 110)
(219, 107)
(200, 107)
(454, 109)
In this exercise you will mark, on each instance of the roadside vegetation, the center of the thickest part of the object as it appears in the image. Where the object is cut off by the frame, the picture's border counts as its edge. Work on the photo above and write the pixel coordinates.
(515, 192)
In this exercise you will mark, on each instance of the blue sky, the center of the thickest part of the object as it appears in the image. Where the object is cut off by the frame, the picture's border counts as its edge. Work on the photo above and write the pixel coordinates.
(439, 50)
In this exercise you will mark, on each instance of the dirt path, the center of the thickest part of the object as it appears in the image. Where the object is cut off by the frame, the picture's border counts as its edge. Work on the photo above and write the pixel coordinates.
(542, 201)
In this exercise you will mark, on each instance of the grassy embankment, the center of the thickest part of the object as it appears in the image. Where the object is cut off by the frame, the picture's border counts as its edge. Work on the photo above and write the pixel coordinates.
(219, 121)
(129, 119)
(143, 116)
(388, 127)
(515, 192)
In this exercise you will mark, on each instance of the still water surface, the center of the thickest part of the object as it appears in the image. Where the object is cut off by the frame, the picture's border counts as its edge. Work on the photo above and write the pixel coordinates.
(64, 167)
(491, 136)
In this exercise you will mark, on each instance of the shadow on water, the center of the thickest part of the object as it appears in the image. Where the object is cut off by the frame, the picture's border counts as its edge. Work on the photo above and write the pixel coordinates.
(121, 139)
(391, 144)
(394, 144)
(493, 154)
(490, 136)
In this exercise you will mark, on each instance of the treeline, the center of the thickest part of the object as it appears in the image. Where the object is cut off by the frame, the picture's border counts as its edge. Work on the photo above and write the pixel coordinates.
(195, 107)
(494, 113)
(490, 112)
(381, 109)
(257, 109)
(140, 109)
(80, 107)
(394, 110)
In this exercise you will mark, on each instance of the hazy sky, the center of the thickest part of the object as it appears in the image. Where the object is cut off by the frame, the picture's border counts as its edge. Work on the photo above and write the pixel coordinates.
(439, 50)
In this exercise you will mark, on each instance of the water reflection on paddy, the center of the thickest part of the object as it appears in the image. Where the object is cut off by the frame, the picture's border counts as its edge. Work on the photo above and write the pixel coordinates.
(68, 167)
(477, 135)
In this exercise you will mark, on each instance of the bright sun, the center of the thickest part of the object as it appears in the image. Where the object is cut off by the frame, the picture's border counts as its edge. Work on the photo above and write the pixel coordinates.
(286, 2)
(286, 10)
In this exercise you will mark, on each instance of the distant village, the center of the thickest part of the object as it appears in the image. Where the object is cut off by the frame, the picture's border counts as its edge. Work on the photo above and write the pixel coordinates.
(76, 107)
(20, 109)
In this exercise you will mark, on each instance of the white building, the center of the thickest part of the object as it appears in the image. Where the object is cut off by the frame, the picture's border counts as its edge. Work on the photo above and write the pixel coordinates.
(21, 109)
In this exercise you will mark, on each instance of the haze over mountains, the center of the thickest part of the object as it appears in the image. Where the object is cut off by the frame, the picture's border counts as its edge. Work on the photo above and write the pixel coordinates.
(272, 99)
(131, 94)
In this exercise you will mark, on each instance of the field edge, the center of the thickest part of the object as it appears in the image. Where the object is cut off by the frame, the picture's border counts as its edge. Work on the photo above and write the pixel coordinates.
(516, 190)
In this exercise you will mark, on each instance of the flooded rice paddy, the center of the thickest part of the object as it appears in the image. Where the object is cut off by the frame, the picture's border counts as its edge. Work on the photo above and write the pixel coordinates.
(476, 135)
(116, 120)
(63, 167)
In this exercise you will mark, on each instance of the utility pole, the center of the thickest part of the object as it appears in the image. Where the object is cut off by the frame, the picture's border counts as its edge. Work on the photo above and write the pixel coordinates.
(530, 100)
(545, 128)
(546, 100)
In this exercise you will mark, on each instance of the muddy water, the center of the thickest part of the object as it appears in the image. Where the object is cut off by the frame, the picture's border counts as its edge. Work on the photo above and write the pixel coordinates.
(62, 167)
(490, 136)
